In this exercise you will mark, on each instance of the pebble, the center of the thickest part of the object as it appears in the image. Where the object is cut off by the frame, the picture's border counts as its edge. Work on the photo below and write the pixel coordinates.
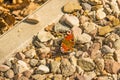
(114, 76)
(66, 68)
(118, 2)
(17, 76)
(30, 53)
(117, 44)
(114, 7)
(22, 78)
(27, 73)
(86, 6)
(79, 69)
(83, 19)
(100, 14)
(94, 2)
(33, 62)
(93, 50)
(44, 36)
(1, 78)
(38, 77)
(76, 32)
(55, 66)
(4, 68)
(70, 20)
(44, 50)
(104, 30)
(112, 37)
(43, 61)
(22, 66)
(99, 64)
(8, 63)
(89, 26)
(86, 64)
(117, 55)
(57, 77)
(20, 56)
(84, 38)
(112, 66)
(71, 6)
(43, 69)
(106, 49)
(61, 28)
(89, 75)
(94, 56)
(9, 74)
(103, 78)
(73, 60)
(118, 76)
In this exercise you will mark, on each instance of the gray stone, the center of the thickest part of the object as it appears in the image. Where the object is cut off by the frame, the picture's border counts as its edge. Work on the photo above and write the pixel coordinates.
(86, 6)
(86, 64)
(55, 66)
(20, 56)
(9, 74)
(33, 62)
(70, 20)
(61, 28)
(30, 53)
(106, 49)
(66, 68)
(43, 69)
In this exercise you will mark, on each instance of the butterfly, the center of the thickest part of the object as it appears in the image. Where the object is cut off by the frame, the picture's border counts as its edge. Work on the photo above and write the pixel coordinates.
(67, 43)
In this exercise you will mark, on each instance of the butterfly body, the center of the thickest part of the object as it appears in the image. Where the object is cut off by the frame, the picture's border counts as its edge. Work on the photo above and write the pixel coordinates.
(67, 43)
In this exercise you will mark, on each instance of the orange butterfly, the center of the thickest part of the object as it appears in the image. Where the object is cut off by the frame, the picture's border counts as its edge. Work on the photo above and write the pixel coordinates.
(67, 43)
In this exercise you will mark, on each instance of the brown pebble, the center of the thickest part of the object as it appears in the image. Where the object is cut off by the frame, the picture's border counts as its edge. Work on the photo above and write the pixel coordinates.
(112, 66)
(27, 73)
(4, 68)
(9, 73)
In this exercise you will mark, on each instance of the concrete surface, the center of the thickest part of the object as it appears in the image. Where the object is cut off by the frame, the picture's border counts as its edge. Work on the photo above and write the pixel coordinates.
(22, 34)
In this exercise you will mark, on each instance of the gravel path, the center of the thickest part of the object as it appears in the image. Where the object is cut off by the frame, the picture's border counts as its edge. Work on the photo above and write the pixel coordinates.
(83, 45)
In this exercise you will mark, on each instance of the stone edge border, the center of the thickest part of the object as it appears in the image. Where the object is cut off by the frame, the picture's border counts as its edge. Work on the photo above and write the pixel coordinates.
(21, 35)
